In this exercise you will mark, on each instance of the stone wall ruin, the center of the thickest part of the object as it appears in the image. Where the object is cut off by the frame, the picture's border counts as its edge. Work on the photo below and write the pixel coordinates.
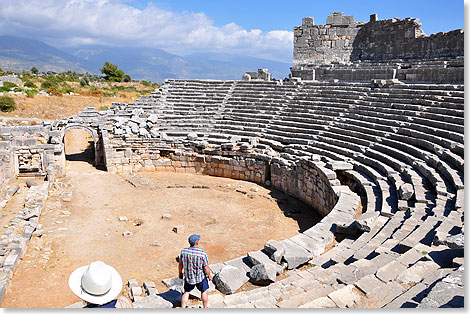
(379, 49)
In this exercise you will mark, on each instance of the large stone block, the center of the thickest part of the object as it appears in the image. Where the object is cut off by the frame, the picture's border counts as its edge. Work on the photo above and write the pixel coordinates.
(229, 279)
(263, 274)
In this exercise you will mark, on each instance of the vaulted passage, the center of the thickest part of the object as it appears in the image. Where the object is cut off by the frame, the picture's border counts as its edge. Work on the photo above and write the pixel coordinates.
(79, 146)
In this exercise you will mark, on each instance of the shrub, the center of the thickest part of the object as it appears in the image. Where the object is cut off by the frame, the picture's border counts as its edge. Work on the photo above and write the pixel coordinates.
(54, 91)
(84, 82)
(126, 78)
(9, 85)
(31, 93)
(103, 108)
(48, 85)
(7, 104)
(66, 88)
(30, 84)
(34, 70)
(145, 83)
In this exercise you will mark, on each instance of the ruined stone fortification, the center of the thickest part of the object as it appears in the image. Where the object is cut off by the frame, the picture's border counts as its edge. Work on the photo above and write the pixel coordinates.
(379, 49)
(382, 161)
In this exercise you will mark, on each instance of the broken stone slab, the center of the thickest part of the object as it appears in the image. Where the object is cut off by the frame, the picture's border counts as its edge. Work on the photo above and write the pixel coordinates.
(406, 191)
(275, 250)
(366, 221)
(263, 274)
(127, 233)
(177, 229)
(152, 301)
(123, 218)
(155, 243)
(135, 292)
(294, 255)
(314, 247)
(344, 297)
(166, 216)
(67, 197)
(346, 228)
(258, 257)
(174, 283)
(11, 261)
(229, 279)
(30, 183)
(455, 241)
(13, 189)
(148, 285)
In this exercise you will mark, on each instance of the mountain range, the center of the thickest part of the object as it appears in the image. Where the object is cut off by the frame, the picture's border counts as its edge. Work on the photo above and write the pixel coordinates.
(153, 64)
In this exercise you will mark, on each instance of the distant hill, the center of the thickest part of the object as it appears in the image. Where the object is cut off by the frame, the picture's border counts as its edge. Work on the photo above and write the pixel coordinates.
(17, 54)
(141, 63)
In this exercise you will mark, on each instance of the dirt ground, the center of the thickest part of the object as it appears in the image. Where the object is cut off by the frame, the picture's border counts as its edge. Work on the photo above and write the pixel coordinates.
(88, 227)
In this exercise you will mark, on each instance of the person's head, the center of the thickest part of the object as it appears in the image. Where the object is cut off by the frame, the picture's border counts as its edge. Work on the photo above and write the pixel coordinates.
(194, 239)
(96, 283)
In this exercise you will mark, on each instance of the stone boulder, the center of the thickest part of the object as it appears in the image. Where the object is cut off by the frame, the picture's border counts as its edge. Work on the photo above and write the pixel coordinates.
(455, 241)
(366, 221)
(263, 274)
(192, 136)
(229, 279)
(152, 301)
(275, 250)
(406, 191)
(295, 255)
(259, 257)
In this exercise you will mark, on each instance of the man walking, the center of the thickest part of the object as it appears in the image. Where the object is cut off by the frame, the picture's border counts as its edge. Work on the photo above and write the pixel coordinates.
(196, 270)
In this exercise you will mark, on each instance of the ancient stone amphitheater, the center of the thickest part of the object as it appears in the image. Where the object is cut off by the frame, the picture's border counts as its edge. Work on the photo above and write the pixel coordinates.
(369, 135)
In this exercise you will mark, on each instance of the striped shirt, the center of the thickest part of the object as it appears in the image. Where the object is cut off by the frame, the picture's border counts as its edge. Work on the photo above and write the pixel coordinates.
(194, 259)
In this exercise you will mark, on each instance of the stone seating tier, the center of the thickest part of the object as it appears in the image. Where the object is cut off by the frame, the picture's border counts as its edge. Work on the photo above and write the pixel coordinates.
(389, 136)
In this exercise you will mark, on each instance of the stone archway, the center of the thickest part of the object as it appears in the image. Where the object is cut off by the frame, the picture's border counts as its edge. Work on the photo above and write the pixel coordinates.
(95, 136)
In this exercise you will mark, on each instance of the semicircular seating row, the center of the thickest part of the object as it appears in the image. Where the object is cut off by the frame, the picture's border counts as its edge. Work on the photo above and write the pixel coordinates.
(404, 134)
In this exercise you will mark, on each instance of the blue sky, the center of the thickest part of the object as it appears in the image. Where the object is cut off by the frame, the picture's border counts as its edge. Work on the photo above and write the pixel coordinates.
(258, 28)
(435, 15)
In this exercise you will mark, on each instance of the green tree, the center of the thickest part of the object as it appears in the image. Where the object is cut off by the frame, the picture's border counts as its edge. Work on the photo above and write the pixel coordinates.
(7, 104)
(111, 72)
(34, 70)
(126, 78)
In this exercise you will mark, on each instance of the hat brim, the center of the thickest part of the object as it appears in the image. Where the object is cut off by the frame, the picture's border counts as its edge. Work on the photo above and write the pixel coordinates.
(75, 284)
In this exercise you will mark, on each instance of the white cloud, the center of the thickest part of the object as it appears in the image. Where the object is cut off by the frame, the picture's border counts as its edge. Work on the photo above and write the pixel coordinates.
(115, 23)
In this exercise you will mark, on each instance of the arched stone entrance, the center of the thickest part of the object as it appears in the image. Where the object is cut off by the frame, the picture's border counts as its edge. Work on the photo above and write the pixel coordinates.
(95, 144)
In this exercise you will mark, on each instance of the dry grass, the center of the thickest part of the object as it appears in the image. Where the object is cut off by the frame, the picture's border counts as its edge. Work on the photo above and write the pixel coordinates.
(57, 107)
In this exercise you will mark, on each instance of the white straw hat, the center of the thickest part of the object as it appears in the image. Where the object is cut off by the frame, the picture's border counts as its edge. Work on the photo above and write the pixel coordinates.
(96, 283)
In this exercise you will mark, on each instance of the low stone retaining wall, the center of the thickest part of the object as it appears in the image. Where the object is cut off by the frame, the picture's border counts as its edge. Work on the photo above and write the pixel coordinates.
(306, 180)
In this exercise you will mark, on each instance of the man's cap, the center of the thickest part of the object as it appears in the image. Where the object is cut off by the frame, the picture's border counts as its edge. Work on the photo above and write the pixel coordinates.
(193, 239)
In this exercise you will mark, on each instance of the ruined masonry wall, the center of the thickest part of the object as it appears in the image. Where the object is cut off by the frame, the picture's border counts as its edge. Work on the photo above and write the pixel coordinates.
(319, 44)
(24, 149)
(304, 180)
(343, 40)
